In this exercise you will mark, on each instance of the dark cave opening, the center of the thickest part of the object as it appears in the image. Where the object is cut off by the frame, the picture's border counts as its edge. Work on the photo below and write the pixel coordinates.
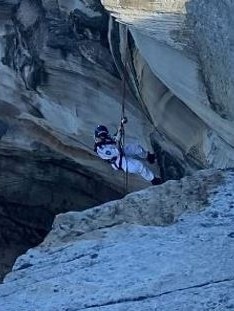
(34, 188)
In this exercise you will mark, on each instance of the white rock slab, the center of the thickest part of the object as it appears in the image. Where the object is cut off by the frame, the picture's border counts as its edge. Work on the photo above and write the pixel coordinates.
(185, 266)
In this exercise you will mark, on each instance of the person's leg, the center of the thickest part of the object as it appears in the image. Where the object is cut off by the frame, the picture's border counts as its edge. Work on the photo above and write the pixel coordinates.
(132, 150)
(134, 166)
(137, 150)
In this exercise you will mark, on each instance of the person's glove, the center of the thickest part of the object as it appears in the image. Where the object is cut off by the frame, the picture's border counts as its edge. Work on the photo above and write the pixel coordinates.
(124, 120)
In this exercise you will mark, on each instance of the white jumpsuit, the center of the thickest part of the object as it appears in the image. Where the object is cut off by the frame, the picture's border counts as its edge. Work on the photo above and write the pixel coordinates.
(129, 163)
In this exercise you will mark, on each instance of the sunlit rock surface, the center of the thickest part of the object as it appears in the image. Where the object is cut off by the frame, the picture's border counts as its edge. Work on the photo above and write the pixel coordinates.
(188, 47)
(114, 257)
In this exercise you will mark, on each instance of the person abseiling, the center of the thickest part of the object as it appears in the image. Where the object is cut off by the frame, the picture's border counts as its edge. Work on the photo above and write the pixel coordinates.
(108, 148)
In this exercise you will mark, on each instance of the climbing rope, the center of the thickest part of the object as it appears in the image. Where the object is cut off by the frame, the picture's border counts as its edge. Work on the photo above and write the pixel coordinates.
(123, 117)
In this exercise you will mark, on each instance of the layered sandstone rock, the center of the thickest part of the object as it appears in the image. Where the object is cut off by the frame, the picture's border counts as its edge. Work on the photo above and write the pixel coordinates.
(181, 53)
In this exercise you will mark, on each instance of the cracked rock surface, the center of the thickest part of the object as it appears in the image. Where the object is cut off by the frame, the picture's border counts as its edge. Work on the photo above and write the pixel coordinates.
(131, 264)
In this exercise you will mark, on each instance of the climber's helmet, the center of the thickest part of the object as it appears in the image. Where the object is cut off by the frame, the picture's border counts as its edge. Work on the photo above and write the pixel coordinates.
(101, 132)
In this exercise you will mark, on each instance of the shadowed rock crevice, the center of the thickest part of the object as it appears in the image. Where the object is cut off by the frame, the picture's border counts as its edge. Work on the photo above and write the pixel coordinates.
(36, 187)
(24, 40)
(76, 34)
(151, 297)
(22, 227)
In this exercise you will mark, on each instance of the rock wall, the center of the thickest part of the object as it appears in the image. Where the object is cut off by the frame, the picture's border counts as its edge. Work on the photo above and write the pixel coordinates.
(186, 47)
(62, 67)
(114, 257)
(58, 81)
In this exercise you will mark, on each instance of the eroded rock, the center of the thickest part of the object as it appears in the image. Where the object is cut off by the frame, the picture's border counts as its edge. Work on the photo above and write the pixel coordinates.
(62, 64)
(182, 69)
(90, 261)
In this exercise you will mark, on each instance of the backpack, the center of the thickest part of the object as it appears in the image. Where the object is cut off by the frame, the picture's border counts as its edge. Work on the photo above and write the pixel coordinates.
(107, 151)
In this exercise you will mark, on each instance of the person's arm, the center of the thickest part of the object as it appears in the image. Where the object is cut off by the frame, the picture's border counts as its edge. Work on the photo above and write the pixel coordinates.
(119, 133)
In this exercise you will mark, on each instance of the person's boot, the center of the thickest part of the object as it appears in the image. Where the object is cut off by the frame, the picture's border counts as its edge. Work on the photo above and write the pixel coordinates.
(151, 158)
(156, 181)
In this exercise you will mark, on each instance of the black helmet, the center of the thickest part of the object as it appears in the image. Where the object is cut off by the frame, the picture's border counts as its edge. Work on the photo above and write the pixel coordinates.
(101, 131)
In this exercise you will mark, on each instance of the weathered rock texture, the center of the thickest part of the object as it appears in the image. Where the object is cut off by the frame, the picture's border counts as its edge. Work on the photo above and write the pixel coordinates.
(182, 55)
(62, 68)
(58, 81)
(113, 257)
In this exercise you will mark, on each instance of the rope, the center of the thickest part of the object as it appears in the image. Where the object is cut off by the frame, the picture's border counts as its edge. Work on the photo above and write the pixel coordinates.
(123, 118)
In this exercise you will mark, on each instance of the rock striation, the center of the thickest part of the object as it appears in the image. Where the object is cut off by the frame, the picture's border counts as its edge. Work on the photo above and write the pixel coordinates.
(181, 52)
(163, 248)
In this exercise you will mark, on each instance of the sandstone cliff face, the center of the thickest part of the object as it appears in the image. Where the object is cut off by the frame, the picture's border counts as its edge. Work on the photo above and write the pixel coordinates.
(114, 257)
(58, 81)
(62, 65)
(186, 77)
